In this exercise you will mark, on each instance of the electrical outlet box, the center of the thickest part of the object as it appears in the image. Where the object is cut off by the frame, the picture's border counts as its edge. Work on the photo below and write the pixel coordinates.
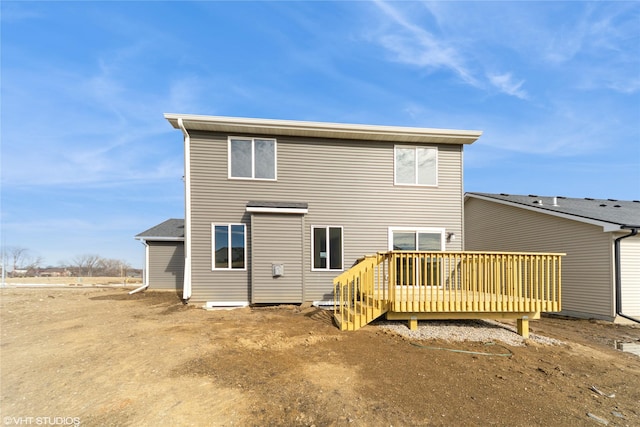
(277, 270)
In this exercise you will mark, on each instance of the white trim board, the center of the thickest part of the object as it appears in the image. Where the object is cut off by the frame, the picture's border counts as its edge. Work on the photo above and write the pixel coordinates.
(300, 211)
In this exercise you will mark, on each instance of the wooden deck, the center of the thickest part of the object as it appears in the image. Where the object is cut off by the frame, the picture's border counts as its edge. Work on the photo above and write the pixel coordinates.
(427, 299)
(448, 285)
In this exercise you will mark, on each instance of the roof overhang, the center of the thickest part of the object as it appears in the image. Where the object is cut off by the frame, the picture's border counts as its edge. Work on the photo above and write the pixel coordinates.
(159, 239)
(271, 127)
(278, 207)
(607, 227)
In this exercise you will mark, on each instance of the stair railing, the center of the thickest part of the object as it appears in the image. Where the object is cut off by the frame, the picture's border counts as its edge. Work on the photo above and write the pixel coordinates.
(362, 292)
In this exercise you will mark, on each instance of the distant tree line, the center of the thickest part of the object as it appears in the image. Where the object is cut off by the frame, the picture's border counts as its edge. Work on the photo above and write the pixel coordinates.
(20, 261)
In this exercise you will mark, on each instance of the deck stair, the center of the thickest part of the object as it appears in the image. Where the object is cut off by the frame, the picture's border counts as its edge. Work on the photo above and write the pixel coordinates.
(358, 302)
(358, 316)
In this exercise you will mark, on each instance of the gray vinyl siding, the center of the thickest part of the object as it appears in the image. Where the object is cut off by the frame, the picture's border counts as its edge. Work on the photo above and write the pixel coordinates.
(166, 265)
(630, 276)
(277, 239)
(587, 269)
(345, 183)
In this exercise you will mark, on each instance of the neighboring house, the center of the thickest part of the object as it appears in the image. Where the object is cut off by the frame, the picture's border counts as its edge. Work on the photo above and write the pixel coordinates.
(275, 210)
(601, 271)
(19, 272)
(164, 255)
(54, 272)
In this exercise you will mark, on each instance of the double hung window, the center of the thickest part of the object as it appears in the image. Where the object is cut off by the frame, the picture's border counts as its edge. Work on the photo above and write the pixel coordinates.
(229, 246)
(252, 158)
(416, 165)
(327, 248)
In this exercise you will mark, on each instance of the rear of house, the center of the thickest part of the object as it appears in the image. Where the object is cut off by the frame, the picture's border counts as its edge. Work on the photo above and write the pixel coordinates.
(602, 264)
(274, 210)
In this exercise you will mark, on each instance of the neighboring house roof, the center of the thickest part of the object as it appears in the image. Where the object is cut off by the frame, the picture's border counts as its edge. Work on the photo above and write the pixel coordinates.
(611, 214)
(238, 125)
(171, 229)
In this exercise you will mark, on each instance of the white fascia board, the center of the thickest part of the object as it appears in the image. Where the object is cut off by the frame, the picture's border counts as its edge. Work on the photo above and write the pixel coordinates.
(300, 211)
(159, 239)
(324, 129)
(607, 227)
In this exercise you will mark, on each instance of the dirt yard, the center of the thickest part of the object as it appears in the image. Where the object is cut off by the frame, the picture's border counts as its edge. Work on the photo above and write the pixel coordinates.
(100, 357)
(74, 281)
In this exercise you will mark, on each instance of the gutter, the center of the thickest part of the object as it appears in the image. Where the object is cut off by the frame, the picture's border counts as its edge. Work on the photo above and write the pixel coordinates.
(186, 287)
(618, 278)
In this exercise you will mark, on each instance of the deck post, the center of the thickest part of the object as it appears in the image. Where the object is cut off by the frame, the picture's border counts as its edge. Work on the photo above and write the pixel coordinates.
(523, 326)
(413, 323)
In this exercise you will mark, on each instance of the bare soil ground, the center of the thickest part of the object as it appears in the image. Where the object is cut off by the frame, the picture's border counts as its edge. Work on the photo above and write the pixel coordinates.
(73, 281)
(106, 358)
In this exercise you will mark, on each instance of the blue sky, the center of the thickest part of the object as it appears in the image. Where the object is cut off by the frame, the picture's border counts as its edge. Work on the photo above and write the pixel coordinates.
(88, 160)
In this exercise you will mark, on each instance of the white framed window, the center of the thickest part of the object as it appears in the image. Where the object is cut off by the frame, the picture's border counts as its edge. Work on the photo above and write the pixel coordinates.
(415, 165)
(416, 239)
(252, 158)
(229, 246)
(414, 270)
(327, 248)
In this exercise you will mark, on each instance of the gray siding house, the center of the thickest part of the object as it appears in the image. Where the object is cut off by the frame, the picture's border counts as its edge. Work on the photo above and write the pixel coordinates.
(275, 209)
(164, 255)
(601, 271)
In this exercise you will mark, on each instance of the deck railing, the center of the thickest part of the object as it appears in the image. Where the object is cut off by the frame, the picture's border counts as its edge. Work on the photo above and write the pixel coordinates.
(447, 282)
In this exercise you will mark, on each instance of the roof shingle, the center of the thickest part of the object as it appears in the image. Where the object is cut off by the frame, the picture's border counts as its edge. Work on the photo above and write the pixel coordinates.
(171, 229)
(624, 213)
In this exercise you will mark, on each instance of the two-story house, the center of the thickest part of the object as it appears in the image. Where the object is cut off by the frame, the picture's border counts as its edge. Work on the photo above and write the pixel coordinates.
(275, 209)
(282, 211)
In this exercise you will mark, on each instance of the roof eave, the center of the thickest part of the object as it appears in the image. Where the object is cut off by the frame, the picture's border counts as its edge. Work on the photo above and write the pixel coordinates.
(323, 129)
(159, 239)
(607, 227)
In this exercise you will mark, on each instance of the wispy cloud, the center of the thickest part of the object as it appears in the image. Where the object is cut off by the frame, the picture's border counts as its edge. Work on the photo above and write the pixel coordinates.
(413, 43)
(504, 83)
(111, 129)
(602, 42)
(14, 13)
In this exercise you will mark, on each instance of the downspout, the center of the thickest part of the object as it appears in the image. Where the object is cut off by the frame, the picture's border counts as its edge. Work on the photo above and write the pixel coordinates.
(141, 288)
(145, 272)
(616, 250)
(186, 288)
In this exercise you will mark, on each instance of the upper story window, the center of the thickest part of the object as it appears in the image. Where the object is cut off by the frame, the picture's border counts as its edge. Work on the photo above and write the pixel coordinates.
(416, 165)
(252, 158)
